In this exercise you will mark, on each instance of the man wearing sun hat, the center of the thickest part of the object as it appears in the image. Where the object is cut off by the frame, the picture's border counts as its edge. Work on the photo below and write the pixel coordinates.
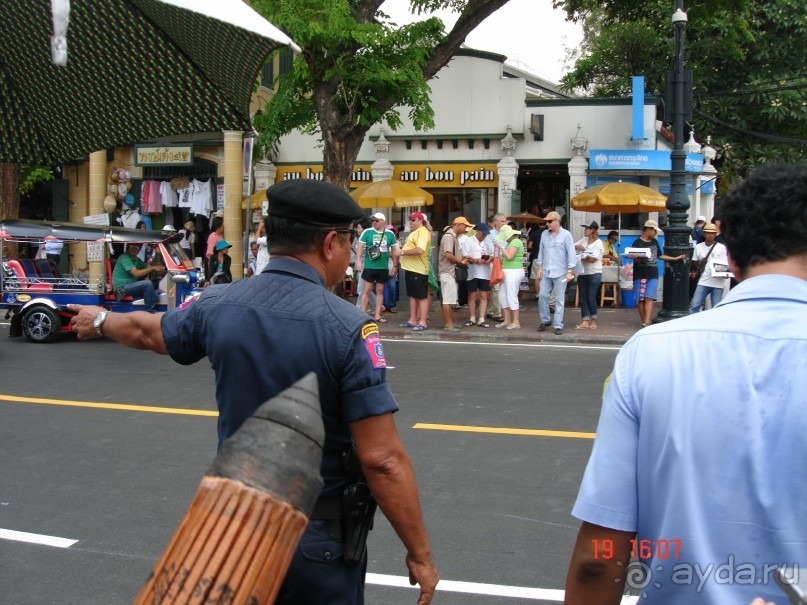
(645, 270)
(709, 253)
(449, 257)
(556, 261)
(261, 336)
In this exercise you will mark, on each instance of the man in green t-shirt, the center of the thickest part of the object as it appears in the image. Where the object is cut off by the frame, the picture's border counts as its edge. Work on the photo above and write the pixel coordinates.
(130, 277)
(373, 259)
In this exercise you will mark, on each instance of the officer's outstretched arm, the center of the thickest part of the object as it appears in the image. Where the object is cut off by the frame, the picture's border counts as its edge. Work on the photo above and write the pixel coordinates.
(389, 472)
(138, 330)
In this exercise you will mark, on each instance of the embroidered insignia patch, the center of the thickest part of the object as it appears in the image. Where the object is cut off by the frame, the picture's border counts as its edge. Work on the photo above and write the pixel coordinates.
(372, 343)
(188, 301)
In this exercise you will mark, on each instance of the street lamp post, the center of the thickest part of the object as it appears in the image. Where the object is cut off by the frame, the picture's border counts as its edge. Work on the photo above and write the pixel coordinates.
(676, 274)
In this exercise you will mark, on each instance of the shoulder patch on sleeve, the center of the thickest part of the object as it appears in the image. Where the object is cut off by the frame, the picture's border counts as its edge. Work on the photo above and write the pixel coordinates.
(188, 301)
(373, 346)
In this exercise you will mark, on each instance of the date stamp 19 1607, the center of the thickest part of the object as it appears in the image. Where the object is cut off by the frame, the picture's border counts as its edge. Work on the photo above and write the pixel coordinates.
(640, 549)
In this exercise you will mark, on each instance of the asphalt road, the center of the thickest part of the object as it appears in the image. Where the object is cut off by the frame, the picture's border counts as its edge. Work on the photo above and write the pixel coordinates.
(497, 504)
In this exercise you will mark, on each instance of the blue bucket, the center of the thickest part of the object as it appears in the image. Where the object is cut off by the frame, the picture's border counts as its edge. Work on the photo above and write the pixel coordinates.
(628, 298)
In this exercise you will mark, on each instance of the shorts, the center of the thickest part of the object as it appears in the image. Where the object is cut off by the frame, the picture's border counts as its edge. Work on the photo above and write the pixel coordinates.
(646, 288)
(534, 269)
(375, 276)
(477, 283)
(417, 285)
(448, 289)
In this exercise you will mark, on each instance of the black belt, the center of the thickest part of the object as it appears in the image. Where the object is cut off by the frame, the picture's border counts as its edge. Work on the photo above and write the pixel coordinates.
(327, 508)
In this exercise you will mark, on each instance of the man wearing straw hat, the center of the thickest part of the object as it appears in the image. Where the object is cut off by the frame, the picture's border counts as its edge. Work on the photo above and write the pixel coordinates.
(261, 336)
(556, 262)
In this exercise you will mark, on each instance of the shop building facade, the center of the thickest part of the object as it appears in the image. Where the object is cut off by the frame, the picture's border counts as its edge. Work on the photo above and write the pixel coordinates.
(505, 141)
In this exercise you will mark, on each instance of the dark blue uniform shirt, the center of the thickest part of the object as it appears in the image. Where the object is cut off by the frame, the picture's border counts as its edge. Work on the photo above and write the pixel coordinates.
(264, 333)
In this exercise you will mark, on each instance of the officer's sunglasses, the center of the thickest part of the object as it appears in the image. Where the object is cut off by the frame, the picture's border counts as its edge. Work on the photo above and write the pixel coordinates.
(353, 233)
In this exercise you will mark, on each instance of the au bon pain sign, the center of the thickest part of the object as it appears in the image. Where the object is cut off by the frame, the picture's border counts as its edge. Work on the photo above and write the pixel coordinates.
(427, 176)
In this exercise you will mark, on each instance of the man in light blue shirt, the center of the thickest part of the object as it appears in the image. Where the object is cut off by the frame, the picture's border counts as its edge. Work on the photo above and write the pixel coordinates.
(698, 468)
(556, 261)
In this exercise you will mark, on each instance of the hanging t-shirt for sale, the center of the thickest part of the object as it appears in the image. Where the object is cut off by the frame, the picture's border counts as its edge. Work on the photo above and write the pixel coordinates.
(377, 245)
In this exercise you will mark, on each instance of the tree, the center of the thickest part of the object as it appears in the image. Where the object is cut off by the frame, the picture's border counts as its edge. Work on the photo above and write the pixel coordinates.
(9, 190)
(747, 58)
(356, 67)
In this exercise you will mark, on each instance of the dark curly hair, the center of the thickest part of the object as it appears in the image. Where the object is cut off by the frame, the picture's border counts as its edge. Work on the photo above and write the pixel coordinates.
(765, 218)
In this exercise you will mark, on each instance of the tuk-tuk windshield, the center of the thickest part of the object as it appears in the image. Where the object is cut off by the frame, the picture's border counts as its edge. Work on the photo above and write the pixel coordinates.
(178, 255)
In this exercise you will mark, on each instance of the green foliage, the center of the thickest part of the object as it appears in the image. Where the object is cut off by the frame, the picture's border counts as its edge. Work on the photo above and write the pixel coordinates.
(364, 64)
(357, 68)
(747, 58)
(31, 175)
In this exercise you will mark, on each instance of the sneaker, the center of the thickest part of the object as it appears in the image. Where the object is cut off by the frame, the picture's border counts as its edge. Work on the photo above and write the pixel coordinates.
(558, 331)
(542, 327)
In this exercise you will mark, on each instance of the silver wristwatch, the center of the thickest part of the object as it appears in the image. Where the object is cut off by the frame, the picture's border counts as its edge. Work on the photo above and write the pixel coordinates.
(98, 322)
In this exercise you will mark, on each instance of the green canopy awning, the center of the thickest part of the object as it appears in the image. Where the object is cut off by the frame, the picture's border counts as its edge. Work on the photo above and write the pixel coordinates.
(136, 70)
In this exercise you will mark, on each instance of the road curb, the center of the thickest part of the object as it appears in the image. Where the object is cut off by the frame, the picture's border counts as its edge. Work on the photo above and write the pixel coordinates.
(522, 337)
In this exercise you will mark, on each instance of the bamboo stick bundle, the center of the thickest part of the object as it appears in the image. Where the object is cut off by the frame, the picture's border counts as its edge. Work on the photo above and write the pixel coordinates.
(236, 541)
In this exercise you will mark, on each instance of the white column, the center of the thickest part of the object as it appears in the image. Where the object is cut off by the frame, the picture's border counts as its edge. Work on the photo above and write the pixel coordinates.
(508, 172)
(578, 174)
(265, 173)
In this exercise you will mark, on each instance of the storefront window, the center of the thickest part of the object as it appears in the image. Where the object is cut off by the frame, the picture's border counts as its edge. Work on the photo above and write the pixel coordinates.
(625, 222)
(629, 222)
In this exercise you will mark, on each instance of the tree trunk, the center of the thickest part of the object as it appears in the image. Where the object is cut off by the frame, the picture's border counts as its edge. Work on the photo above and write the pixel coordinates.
(339, 155)
(9, 191)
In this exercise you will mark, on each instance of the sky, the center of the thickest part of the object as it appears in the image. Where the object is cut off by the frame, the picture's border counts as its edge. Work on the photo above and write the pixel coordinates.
(532, 34)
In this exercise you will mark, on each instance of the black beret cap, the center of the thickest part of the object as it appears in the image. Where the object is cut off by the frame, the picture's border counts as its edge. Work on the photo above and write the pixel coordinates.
(312, 202)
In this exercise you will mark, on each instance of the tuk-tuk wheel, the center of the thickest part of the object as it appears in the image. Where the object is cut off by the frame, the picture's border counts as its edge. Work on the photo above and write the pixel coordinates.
(41, 324)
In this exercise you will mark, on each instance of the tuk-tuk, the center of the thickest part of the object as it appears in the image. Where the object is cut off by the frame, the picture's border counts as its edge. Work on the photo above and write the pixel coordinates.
(36, 294)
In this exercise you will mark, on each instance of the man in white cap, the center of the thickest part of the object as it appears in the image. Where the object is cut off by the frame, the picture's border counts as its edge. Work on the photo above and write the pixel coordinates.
(372, 262)
(645, 270)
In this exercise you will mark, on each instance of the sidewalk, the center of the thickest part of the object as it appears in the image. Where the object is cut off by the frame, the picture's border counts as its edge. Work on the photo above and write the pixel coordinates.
(614, 326)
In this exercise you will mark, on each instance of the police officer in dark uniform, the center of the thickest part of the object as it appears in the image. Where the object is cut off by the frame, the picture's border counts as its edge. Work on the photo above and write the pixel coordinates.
(265, 333)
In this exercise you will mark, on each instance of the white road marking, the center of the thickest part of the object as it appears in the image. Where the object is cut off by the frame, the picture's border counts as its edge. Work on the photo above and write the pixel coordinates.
(477, 588)
(504, 344)
(23, 536)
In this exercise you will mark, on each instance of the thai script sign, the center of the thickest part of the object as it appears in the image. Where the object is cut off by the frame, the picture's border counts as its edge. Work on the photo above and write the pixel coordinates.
(645, 159)
(163, 156)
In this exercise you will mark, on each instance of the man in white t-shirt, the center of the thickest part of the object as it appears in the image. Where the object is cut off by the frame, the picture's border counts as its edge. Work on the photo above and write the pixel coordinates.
(715, 255)
(478, 249)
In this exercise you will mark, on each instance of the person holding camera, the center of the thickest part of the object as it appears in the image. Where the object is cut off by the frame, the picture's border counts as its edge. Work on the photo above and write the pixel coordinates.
(372, 262)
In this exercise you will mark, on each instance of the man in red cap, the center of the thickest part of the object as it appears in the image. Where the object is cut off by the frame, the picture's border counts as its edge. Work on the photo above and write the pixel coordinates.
(415, 261)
